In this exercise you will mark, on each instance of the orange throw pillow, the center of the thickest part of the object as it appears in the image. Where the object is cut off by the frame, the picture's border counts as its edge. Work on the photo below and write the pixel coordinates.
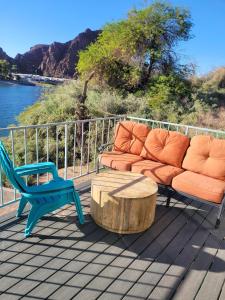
(130, 137)
(206, 155)
(168, 147)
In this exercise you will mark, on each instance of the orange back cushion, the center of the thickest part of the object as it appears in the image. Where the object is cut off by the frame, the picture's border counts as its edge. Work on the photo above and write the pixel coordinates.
(130, 137)
(168, 147)
(206, 155)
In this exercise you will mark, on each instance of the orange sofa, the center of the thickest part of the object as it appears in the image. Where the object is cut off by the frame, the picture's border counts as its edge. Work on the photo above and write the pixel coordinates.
(193, 167)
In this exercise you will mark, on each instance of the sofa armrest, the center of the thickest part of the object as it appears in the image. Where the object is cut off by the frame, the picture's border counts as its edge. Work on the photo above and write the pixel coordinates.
(103, 147)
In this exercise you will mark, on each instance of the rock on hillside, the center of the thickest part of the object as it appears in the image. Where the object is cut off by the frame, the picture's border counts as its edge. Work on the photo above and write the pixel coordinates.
(30, 61)
(4, 56)
(60, 59)
(57, 59)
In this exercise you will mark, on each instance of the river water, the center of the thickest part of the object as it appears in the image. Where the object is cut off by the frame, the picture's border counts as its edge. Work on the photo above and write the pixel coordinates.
(14, 98)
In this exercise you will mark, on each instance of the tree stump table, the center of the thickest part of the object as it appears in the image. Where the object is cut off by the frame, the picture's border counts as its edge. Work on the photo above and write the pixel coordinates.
(123, 202)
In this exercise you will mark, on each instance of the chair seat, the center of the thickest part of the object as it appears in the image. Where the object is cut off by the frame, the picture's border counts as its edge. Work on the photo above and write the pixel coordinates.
(44, 198)
(119, 160)
(53, 185)
(200, 186)
(159, 172)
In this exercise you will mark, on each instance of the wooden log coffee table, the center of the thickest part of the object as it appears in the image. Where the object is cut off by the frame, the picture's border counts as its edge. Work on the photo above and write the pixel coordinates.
(123, 202)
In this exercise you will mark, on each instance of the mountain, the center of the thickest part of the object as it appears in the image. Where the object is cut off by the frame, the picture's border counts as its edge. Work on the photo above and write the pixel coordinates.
(30, 61)
(56, 59)
(4, 56)
(60, 59)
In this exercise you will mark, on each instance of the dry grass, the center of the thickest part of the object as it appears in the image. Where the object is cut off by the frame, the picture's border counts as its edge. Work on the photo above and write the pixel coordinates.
(215, 79)
(215, 119)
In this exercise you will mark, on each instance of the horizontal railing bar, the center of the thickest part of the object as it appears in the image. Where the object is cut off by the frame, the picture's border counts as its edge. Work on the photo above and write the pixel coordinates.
(61, 123)
(174, 124)
(111, 118)
(85, 174)
(10, 202)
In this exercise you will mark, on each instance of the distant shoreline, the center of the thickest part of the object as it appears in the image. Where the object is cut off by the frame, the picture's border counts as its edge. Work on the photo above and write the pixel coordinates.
(10, 81)
(30, 83)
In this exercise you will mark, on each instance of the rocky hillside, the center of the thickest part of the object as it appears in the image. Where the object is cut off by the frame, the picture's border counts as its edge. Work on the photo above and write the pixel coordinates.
(4, 56)
(30, 61)
(57, 59)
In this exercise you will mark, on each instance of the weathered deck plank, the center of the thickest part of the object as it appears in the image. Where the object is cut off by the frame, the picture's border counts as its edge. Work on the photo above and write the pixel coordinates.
(129, 254)
(167, 286)
(181, 254)
(193, 280)
(214, 279)
(158, 267)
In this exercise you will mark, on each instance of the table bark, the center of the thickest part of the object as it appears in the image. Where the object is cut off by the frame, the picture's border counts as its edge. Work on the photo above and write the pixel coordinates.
(123, 202)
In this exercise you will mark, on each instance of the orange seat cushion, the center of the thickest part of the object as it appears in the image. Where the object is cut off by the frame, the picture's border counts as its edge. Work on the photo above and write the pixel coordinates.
(165, 146)
(206, 155)
(118, 160)
(159, 172)
(201, 186)
(130, 137)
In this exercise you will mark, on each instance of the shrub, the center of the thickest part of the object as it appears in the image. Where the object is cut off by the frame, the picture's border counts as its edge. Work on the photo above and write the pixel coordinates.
(59, 104)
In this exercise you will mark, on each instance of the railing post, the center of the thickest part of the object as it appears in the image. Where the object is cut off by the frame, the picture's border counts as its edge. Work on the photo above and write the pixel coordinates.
(66, 151)
(13, 150)
(13, 158)
(96, 144)
(88, 150)
(57, 148)
(109, 122)
(74, 148)
(37, 151)
(47, 149)
(103, 130)
(1, 187)
(82, 148)
(25, 148)
(25, 145)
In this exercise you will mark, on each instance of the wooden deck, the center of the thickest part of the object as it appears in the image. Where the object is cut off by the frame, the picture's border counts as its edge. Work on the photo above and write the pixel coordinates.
(181, 256)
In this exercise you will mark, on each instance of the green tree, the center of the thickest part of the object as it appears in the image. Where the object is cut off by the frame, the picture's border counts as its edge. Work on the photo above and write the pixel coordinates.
(167, 89)
(4, 68)
(14, 68)
(169, 97)
(127, 53)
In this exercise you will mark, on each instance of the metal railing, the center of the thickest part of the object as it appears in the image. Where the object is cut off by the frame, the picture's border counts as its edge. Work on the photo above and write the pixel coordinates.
(182, 128)
(72, 146)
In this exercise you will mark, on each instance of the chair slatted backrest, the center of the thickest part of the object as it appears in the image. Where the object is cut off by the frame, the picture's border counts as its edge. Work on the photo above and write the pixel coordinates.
(8, 169)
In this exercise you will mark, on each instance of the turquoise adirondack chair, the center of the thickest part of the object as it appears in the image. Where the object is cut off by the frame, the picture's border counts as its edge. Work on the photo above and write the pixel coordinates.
(43, 198)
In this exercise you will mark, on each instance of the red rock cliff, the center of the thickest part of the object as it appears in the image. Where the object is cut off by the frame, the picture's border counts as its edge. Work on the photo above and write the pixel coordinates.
(57, 59)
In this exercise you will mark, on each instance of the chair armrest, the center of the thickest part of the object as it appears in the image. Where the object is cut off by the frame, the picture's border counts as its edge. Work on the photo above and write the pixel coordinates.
(39, 168)
(44, 190)
(103, 147)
